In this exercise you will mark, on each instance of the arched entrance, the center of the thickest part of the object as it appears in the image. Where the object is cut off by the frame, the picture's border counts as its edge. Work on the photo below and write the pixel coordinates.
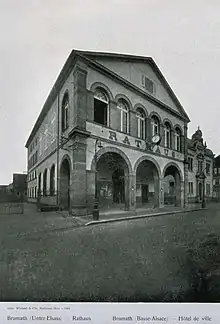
(172, 185)
(200, 191)
(147, 185)
(112, 181)
(65, 184)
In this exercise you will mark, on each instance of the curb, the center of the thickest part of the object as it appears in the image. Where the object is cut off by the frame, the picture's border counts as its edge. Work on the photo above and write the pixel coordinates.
(112, 220)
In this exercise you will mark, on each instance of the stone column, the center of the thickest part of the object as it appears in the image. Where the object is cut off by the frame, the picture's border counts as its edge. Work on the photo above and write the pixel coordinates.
(80, 97)
(172, 137)
(78, 183)
(132, 191)
(133, 122)
(114, 116)
(161, 187)
(90, 190)
(162, 134)
(127, 191)
(182, 202)
(157, 186)
(178, 190)
(148, 129)
(90, 105)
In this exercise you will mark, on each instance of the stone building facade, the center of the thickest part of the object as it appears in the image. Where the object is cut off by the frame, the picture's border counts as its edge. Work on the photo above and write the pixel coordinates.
(200, 169)
(99, 119)
(216, 178)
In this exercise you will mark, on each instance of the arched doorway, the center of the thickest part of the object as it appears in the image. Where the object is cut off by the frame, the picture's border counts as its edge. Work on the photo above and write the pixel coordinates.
(39, 185)
(147, 185)
(45, 183)
(112, 181)
(172, 186)
(200, 191)
(52, 180)
(65, 184)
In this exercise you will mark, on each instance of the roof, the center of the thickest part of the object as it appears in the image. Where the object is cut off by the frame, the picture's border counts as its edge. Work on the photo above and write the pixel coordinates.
(89, 57)
(208, 152)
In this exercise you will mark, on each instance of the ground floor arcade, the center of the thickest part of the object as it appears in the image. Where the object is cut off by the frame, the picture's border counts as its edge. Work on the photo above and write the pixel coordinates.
(120, 183)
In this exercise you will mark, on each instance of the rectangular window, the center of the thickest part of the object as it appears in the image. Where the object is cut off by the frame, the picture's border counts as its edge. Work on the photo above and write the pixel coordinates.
(124, 121)
(217, 181)
(190, 188)
(200, 166)
(207, 168)
(100, 112)
(208, 191)
(218, 170)
(147, 84)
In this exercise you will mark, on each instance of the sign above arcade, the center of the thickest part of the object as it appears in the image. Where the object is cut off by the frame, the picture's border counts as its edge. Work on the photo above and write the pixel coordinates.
(120, 138)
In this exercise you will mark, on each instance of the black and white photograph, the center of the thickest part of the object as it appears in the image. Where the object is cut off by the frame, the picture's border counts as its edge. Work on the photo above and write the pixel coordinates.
(110, 151)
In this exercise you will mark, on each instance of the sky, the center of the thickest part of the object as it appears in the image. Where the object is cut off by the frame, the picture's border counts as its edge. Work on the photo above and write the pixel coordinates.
(36, 37)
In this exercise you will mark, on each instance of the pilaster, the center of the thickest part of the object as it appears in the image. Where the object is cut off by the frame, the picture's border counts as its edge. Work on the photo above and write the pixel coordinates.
(80, 97)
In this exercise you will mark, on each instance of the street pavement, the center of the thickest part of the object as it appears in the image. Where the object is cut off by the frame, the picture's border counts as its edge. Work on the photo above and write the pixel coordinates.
(150, 259)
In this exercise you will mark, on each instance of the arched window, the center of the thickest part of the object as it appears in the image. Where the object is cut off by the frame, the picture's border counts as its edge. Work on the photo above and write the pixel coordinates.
(167, 134)
(101, 104)
(45, 183)
(122, 105)
(155, 125)
(39, 184)
(178, 140)
(52, 180)
(141, 123)
(65, 112)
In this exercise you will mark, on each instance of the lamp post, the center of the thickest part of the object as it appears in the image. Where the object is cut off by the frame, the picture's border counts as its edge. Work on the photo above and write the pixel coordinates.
(95, 213)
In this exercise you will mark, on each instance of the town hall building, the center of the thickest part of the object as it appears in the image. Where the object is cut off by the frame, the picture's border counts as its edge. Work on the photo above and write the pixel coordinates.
(113, 132)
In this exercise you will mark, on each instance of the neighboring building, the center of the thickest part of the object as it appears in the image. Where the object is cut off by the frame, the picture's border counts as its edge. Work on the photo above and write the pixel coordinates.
(200, 167)
(19, 184)
(3, 192)
(111, 105)
(15, 190)
(216, 178)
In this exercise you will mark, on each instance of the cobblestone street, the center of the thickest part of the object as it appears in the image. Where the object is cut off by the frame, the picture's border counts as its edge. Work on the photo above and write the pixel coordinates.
(143, 259)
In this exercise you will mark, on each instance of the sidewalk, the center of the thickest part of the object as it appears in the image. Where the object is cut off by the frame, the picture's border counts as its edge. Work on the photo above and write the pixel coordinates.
(107, 217)
(34, 222)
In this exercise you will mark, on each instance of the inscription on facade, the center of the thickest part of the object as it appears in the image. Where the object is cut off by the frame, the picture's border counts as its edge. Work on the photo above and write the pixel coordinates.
(139, 144)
